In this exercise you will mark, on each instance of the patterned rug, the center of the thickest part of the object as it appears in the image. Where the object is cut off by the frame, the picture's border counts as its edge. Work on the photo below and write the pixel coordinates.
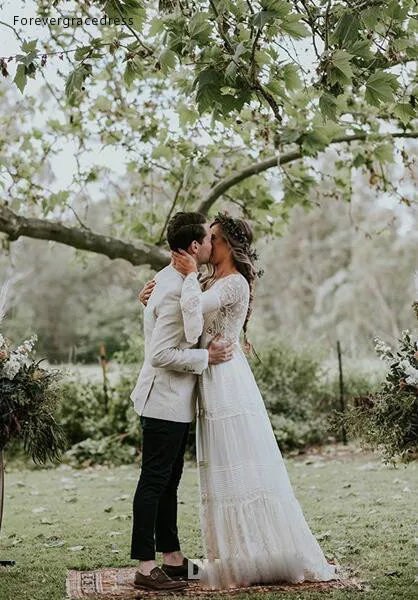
(114, 584)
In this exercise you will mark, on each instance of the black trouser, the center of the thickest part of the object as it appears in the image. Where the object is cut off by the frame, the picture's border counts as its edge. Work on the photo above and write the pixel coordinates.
(155, 501)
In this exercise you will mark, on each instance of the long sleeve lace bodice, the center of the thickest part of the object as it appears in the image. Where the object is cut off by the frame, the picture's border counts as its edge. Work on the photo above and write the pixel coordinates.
(221, 309)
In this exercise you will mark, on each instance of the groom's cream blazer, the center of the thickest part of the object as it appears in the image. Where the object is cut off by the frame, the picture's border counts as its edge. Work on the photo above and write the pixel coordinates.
(165, 388)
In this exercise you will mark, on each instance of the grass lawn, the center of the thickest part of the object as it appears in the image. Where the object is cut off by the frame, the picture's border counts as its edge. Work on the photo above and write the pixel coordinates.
(363, 513)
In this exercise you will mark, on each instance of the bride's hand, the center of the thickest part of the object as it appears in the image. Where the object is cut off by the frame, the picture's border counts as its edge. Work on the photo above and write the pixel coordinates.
(184, 262)
(145, 293)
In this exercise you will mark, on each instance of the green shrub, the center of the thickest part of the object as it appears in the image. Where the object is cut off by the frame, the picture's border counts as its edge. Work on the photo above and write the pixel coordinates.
(387, 420)
(109, 450)
(292, 387)
(301, 397)
(93, 423)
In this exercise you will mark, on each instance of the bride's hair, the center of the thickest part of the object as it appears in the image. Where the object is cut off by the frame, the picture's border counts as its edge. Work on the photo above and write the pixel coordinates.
(239, 234)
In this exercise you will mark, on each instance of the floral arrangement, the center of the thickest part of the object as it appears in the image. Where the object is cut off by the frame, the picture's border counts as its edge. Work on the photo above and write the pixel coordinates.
(403, 371)
(29, 396)
(388, 420)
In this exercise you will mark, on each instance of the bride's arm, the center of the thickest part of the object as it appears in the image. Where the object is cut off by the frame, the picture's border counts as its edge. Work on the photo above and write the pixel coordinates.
(194, 304)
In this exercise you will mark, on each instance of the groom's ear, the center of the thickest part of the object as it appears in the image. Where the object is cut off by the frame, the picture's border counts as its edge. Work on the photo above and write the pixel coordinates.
(193, 249)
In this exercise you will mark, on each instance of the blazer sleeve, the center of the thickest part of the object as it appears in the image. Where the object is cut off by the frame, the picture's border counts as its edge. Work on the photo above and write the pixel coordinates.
(166, 337)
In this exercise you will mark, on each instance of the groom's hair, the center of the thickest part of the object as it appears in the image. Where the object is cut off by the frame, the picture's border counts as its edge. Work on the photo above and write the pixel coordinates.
(183, 228)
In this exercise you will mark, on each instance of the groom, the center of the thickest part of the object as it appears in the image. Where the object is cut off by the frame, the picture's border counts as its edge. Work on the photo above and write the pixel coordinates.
(164, 397)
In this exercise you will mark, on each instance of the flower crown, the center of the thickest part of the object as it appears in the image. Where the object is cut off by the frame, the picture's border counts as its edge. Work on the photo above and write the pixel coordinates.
(234, 229)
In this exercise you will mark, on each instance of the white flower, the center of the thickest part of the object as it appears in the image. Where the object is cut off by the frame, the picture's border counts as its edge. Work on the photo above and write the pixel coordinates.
(382, 349)
(27, 345)
(409, 370)
(11, 367)
(17, 358)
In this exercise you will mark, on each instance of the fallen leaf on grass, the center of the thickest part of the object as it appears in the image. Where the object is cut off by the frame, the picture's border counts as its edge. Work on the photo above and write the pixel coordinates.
(54, 544)
(123, 497)
(14, 540)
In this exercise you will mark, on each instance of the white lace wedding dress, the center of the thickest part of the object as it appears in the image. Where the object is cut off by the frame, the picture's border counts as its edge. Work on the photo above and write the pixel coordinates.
(252, 524)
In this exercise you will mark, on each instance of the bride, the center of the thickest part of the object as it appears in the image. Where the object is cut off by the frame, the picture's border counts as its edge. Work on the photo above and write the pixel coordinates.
(253, 527)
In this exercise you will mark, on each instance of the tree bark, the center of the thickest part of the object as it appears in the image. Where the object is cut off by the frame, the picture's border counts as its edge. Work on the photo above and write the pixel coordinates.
(141, 253)
(224, 185)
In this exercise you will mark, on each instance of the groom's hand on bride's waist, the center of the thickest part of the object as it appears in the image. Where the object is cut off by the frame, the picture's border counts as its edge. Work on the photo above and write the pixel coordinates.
(220, 351)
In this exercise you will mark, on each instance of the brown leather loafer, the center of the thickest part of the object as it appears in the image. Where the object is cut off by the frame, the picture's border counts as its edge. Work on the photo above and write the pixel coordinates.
(182, 571)
(158, 580)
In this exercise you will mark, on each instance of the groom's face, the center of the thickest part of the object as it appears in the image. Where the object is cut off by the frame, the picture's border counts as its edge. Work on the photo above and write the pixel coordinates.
(205, 248)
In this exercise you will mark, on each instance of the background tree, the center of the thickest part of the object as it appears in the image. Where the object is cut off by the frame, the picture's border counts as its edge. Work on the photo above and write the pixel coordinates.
(202, 101)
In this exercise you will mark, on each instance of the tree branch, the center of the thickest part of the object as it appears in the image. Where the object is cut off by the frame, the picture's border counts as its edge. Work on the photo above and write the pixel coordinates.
(144, 253)
(141, 253)
(222, 186)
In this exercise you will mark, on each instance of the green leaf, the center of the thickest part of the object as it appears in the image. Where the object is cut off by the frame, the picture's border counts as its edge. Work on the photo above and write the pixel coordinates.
(186, 115)
(380, 87)
(137, 18)
(315, 141)
(358, 160)
(404, 112)
(81, 53)
(162, 151)
(328, 106)
(361, 48)
(231, 72)
(130, 10)
(208, 84)
(157, 26)
(130, 73)
(347, 29)
(384, 152)
(28, 59)
(75, 81)
(199, 27)
(341, 72)
(263, 17)
(168, 60)
(29, 46)
(20, 77)
(293, 26)
(290, 74)
(188, 174)
(103, 104)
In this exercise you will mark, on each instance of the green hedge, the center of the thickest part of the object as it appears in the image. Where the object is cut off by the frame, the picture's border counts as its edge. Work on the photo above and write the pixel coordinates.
(299, 397)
